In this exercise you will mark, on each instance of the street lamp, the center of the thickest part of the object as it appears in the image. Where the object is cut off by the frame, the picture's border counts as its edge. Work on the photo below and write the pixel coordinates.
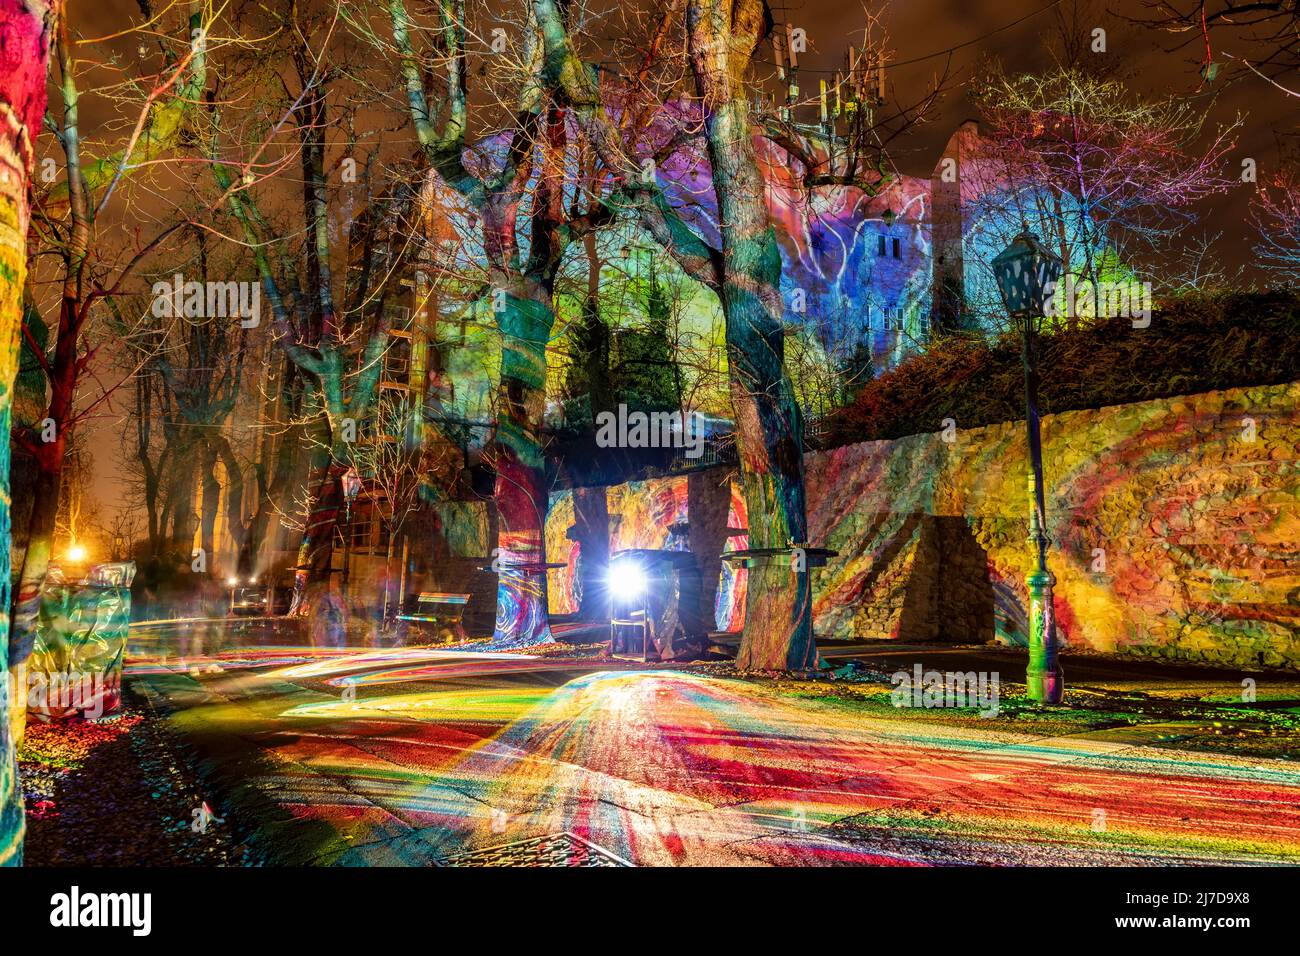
(1027, 274)
(351, 488)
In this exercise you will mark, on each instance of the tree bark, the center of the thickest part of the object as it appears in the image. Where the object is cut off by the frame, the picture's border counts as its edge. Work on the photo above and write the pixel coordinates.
(769, 428)
(35, 560)
(525, 322)
(26, 30)
(211, 502)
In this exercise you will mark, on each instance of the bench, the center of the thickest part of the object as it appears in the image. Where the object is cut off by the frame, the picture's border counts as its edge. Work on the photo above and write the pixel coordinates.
(444, 611)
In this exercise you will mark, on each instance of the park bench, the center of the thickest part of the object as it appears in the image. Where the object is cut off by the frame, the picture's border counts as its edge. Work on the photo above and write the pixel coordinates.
(440, 611)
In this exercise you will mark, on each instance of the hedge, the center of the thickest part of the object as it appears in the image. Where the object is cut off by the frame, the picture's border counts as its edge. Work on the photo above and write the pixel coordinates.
(1194, 344)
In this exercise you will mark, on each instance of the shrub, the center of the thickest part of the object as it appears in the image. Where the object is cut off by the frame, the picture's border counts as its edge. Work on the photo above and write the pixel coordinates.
(1194, 344)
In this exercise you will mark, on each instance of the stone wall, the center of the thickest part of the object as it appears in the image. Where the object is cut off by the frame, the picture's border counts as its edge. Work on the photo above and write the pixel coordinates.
(1176, 529)
(638, 514)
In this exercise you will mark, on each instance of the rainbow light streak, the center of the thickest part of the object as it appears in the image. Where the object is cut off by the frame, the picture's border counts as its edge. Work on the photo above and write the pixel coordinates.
(670, 767)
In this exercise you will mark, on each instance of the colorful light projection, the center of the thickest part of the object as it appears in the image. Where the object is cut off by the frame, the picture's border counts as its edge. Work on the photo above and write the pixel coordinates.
(729, 609)
(667, 767)
(1174, 535)
(1174, 522)
(561, 591)
(641, 513)
(856, 268)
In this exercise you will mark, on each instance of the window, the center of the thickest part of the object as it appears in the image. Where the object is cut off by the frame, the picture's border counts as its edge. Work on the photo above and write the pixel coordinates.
(896, 247)
(880, 250)
(360, 528)
(397, 360)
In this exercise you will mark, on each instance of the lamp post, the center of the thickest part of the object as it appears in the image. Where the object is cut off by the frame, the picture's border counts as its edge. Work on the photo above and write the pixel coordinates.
(1027, 274)
(351, 488)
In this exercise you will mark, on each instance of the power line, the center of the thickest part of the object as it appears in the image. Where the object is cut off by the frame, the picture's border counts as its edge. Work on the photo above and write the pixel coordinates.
(948, 51)
(959, 46)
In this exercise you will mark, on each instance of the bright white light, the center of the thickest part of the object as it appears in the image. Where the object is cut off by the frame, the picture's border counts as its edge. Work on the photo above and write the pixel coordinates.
(77, 553)
(232, 582)
(626, 580)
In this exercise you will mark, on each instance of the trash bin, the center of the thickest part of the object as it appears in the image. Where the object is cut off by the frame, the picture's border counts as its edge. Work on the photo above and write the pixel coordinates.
(81, 629)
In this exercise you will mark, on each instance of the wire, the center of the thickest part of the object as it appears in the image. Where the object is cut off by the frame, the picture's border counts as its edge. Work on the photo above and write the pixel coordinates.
(959, 46)
(949, 50)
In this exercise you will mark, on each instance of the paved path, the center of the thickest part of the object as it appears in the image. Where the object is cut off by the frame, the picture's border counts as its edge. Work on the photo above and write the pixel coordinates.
(354, 756)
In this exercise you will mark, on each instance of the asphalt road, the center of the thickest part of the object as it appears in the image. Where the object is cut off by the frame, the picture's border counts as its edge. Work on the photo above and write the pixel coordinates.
(415, 756)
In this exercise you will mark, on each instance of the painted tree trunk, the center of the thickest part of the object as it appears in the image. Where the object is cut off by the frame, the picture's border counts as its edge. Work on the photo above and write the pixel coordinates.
(525, 323)
(769, 429)
(36, 556)
(49, 458)
(211, 501)
(315, 597)
(26, 29)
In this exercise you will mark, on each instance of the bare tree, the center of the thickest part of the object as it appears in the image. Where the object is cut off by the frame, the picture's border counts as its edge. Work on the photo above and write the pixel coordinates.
(331, 322)
(513, 181)
(740, 261)
(1262, 35)
(1103, 173)
(72, 229)
(1275, 215)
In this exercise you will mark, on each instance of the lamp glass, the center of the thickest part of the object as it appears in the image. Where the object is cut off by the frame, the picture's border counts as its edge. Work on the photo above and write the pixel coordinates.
(1026, 273)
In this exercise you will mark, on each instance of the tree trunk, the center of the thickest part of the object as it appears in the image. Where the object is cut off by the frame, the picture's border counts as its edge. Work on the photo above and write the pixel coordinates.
(184, 518)
(279, 458)
(235, 524)
(26, 30)
(769, 429)
(315, 597)
(35, 560)
(520, 492)
(211, 502)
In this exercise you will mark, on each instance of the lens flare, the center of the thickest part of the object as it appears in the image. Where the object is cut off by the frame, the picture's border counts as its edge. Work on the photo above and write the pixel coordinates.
(626, 580)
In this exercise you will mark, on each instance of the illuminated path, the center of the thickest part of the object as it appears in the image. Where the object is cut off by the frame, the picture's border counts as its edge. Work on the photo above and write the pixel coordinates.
(404, 756)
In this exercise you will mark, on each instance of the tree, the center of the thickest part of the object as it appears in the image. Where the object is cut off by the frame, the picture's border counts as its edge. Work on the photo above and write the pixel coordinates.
(67, 231)
(30, 26)
(1196, 266)
(331, 323)
(514, 185)
(1275, 215)
(1104, 174)
(187, 389)
(742, 264)
(397, 461)
(1266, 34)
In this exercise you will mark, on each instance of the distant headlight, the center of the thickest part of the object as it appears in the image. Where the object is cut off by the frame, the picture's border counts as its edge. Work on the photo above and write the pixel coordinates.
(627, 580)
(232, 582)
